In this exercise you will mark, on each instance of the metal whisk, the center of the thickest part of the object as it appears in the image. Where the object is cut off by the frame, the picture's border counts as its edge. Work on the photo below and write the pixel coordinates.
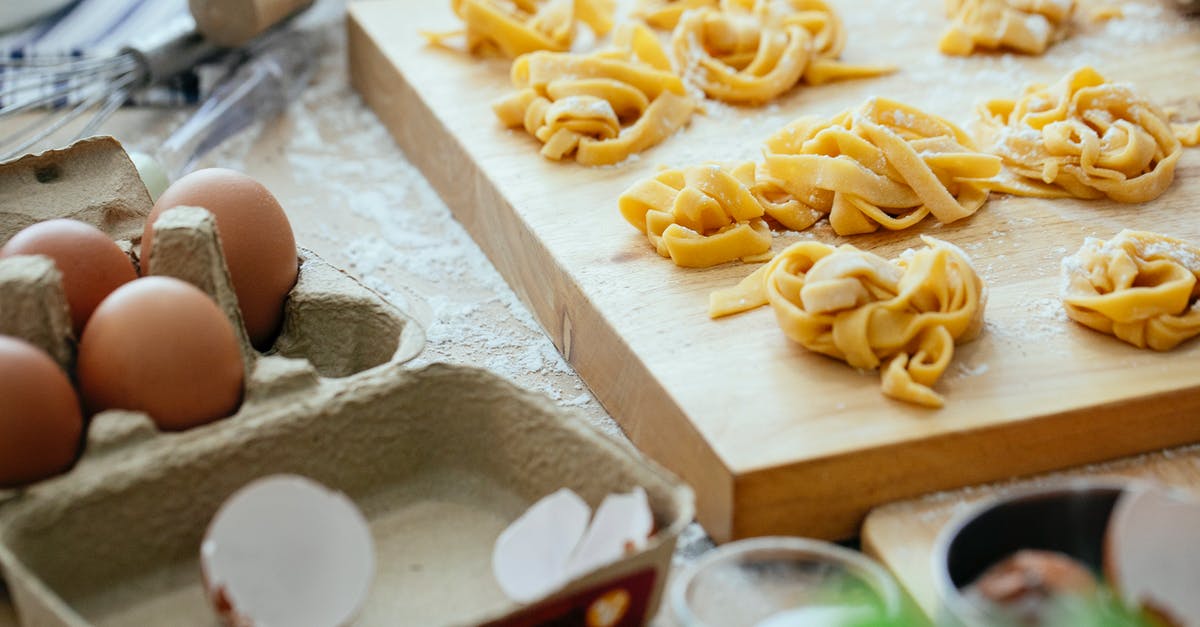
(71, 86)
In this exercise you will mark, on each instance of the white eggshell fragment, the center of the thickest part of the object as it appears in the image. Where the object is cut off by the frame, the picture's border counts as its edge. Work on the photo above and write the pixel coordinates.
(530, 557)
(622, 524)
(285, 550)
(1152, 554)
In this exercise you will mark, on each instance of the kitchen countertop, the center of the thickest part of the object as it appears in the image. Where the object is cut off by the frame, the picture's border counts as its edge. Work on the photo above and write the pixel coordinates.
(354, 198)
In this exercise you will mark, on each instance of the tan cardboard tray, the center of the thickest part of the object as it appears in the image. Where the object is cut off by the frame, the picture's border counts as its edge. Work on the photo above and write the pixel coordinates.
(440, 460)
(776, 439)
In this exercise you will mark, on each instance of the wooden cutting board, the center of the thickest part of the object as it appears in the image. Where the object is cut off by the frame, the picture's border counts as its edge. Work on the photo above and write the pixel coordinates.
(776, 439)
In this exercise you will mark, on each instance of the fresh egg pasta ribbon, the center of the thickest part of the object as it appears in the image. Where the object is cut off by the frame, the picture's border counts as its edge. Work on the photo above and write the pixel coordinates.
(1083, 137)
(665, 14)
(516, 27)
(883, 164)
(600, 107)
(902, 316)
(752, 51)
(700, 216)
(1027, 26)
(1139, 286)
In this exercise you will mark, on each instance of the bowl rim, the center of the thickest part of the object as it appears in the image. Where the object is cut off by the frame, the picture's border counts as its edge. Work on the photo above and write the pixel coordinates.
(947, 594)
(873, 573)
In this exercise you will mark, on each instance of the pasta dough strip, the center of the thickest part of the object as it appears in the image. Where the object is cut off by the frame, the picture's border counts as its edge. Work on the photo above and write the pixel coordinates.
(883, 164)
(599, 108)
(1027, 26)
(1083, 137)
(903, 316)
(1141, 287)
(754, 51)
(515, 27)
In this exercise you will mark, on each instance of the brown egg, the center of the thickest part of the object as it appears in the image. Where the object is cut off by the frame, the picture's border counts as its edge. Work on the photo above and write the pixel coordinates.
(91, 264)
(256, 236)
(161, 346)
(40, 421)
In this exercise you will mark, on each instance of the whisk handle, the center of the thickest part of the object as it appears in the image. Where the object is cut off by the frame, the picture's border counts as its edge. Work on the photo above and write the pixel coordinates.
(232, 23)
(176, 48)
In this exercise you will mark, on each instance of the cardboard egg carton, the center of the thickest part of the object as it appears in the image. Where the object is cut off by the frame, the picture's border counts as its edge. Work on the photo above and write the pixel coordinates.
(440, 459)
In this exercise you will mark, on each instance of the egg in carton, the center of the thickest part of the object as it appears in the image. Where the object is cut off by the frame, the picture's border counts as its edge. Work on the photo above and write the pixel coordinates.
(440, 459)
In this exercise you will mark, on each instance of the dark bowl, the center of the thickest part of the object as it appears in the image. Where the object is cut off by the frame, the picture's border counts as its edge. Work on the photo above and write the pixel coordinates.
(1069, 518)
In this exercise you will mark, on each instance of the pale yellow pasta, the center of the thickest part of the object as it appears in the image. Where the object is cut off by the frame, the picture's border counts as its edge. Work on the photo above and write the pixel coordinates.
(1140, 287)
(752, 51)
(883, 164)
(1083, 137)
(515, 27)
(601, 107)
(1027, 26)
(700, 216)
(902, 316)
(665, 14)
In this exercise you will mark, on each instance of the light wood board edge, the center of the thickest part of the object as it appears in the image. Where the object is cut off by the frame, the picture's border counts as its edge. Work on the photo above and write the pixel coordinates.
(764, 502)
(585, 339)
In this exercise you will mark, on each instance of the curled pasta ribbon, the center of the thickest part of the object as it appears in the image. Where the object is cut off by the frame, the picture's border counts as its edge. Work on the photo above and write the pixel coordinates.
(700, 216)
(665, 14)
(883, 164)
(600, 107)
(751, 51)
(1027, 26)
(515, 27)
(1083, 137)
(902, 316)
(1140, 287)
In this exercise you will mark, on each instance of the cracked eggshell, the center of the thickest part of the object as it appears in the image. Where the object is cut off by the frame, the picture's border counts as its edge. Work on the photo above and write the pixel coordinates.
(1152, 554)
(530, 556)
(285, 550)
(622, 524)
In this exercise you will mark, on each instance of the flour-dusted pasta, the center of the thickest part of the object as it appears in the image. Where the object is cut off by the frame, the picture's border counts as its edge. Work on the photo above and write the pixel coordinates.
(883, 164)
(1027, 26)
(1140, 287)
(752, 51)
(902, 316)
(1083, 137)
(600, 107)
(665, 14)
(515, 27)
(700, 216)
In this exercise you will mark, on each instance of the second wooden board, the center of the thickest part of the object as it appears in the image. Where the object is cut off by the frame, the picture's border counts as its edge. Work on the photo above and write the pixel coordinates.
(776, 439)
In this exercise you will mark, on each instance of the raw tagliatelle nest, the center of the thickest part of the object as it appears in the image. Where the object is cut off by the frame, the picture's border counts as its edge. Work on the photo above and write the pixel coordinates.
(902, 315)
(1083, 137)
(1140, 287)
(515, 27)
(1028, 26)
(884, 164)
(600, 107)
(752, 51)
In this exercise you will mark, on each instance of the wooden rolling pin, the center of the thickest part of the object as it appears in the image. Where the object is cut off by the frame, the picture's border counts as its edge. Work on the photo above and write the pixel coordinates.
(232, 23)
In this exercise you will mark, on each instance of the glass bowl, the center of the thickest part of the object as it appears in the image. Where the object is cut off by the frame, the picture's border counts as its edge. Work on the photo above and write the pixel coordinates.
(771, 581)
